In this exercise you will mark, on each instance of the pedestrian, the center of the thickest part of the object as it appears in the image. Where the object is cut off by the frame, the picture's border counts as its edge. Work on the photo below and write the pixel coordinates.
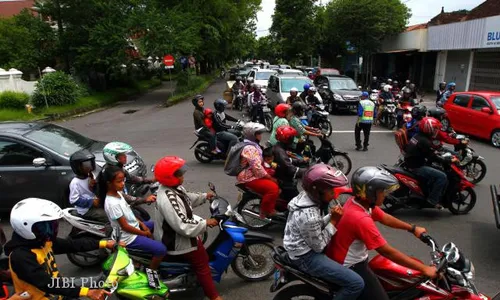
(366, 111)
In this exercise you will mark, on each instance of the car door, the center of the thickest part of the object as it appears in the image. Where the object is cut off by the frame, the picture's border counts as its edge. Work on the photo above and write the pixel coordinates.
(481, 122)
(458, 110)
(20, 179)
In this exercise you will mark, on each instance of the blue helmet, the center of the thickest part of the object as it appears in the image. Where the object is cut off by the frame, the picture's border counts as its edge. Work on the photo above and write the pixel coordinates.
(365, 94)
(307, 86)
(451, 84)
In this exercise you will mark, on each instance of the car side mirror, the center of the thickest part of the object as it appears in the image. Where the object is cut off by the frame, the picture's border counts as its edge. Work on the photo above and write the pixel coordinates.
(486, 110)
(39, 162)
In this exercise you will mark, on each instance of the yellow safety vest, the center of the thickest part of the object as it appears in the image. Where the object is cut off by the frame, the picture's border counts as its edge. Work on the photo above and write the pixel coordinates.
(368, 111)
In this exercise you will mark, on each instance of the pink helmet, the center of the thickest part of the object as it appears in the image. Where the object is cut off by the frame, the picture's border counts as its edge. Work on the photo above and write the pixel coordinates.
(321, 177)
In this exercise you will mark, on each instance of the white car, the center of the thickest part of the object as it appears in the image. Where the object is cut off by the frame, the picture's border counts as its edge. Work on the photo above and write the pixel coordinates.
(291, 71)
(261, 77)
(280, 85)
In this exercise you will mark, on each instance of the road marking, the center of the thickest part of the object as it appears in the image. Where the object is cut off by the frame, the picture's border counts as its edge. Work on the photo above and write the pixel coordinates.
(373, 131)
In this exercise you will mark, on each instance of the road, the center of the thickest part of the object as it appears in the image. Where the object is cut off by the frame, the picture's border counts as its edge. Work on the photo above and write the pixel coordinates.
(155, 131)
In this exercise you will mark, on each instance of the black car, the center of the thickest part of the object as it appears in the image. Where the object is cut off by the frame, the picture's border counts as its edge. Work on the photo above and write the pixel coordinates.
(34, 161)
(340, 91)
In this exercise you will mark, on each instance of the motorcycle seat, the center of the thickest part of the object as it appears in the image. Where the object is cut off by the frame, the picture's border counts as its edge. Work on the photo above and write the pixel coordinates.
(242, 187)
(404, 172)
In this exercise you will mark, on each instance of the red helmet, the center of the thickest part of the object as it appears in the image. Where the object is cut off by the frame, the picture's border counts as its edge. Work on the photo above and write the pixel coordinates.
(285, 134)
(321, 177)
(281, 110)
(430, 126)
(166, 169)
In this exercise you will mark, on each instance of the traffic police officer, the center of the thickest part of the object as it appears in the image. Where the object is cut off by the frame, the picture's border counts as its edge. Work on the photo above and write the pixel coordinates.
(366, 113)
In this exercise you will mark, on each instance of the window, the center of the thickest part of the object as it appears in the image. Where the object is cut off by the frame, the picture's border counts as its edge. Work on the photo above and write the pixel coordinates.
(496, 101)
(461, 100)
(59, 139)
(15, 154)
(343, 84)
(288, 83)
(479, 102)
(263, 75)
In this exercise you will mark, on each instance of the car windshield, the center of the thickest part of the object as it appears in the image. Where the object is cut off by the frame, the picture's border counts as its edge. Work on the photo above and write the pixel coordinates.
(263, 75)
(496, 101)
(288, 83)
(342, 84)
(59, 139)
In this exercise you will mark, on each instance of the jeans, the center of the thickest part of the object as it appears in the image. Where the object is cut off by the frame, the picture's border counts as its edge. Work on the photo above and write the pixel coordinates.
(373, 288)
(270, 193)
(436, 181)
(156, 248)
(366, 127)
(319, 265)
(209, 137)
(228, 139)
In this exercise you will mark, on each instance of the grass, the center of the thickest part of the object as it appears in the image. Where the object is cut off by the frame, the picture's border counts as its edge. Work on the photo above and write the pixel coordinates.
(196, 86)
(83, 104)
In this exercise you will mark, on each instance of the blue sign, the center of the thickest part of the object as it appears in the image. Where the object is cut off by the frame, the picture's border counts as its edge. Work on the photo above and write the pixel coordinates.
(493, 36)
(184, 62)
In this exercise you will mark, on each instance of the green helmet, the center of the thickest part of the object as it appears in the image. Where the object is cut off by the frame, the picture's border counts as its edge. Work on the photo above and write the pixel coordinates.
(111, 150)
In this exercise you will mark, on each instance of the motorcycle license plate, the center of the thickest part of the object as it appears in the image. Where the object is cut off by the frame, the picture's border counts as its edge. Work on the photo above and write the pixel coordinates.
(266, 109)
(153, 279)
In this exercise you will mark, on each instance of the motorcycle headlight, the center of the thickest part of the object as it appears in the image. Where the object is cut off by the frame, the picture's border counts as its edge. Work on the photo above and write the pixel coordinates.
(128, 270)
(321, 106)
(338, 97)
(472, 273)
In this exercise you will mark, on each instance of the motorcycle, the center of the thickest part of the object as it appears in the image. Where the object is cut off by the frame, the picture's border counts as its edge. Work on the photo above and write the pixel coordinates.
(413, 192)
(202, 151)
(239, 101)
(399, 282)
(268, 117)
(403, 115)
(495, 199)
(328, 154)
(248, 253)
(389, 116)
(471, 163)
(319, 120)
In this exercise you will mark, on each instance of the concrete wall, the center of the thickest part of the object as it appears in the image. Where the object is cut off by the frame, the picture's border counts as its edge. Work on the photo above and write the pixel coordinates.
(457, 66)
(11, 81)
(411, 40)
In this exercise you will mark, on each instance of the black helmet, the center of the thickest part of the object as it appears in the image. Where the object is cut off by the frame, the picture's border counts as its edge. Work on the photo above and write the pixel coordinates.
(366, 181)
(195, 100)
(298, 108)
(238, 78)
(437, 112)
(419, 112)
(79, 159)
(220, 104)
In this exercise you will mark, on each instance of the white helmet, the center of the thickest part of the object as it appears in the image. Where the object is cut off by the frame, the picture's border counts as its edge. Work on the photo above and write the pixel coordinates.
(312, 89)
(251, 129)
(294, 89)
(387, 88)
(111, 150)
(29, 211)
(389, 81)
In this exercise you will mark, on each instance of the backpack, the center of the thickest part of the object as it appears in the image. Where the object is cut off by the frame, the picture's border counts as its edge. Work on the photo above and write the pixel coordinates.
(232, 166)
(401, 138)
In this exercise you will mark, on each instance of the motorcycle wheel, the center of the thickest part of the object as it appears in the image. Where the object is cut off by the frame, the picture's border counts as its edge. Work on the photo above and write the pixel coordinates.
(342, 162)
(268, 120)
(257, 265)
(392, 123)
(326, 128)
(475, 171)
(201, 153)
(88, 259)
(463, 202)
(300, 291)
(252, 205)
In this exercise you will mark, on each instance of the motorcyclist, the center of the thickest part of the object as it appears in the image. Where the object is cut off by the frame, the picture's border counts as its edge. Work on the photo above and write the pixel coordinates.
(417, 114)
(303, 95)
(177, 226)
(293, 96)
(298, 109)
(33, 247)
(395, 88)
(420, 151)
(374, 83)
(389, 82)
(357, 232)
(248, 85)
(404, 102)
(256, 98)
(288, 169)
(237, 86)
(283, 114)
(307, 233)
(311, 101)
(384, 97)
(224, 131)
(440, 91)
(407, 84)
(414, 92)
(450, 89)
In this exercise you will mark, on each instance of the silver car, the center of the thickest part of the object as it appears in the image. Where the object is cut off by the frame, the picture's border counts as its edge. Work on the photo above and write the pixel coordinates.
(279, 86)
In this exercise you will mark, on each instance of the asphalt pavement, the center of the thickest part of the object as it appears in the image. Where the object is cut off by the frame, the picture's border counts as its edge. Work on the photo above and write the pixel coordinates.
(155, 131)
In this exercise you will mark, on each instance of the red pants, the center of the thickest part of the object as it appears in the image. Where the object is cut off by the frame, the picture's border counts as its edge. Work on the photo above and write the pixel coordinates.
(270, 192)
(199, 262)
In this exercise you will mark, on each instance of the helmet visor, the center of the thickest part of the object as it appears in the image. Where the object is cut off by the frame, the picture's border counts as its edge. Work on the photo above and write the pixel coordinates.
(88, 165)
(46, 230)
(180, 172)
(390, 189)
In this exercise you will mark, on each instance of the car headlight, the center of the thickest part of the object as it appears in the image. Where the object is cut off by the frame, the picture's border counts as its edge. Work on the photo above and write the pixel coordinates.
(128, 270)
(338, 97)
(472, 273)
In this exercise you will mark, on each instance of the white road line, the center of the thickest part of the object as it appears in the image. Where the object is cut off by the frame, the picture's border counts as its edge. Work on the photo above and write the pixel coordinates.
(352, 131)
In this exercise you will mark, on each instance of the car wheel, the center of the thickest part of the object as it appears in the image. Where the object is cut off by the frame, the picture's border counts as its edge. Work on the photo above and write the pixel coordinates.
(495, 138)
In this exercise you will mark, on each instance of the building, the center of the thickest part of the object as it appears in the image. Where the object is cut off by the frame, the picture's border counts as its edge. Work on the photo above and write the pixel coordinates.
(9, 8)
(461, 46)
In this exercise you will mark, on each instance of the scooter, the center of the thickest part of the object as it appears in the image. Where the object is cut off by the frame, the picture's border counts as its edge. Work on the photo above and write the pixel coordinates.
(459, 198)
(202, 151)
(389, 116)
(238, 101)
(248, 253)
(399, 282)
(268, 117)
(327, 154)
(319, 120)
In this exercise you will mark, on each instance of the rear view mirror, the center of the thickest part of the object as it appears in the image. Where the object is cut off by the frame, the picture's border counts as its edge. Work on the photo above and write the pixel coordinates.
(486, 110)
(39, 162)
(211, 186)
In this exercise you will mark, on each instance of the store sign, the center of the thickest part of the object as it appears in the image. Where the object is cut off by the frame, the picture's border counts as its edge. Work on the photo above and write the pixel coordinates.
(492, 33)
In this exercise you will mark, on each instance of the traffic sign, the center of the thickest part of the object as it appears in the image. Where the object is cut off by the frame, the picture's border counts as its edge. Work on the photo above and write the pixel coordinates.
(168, 60)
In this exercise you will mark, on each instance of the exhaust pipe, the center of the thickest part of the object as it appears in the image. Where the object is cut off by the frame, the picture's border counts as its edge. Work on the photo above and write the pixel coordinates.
(252, 214)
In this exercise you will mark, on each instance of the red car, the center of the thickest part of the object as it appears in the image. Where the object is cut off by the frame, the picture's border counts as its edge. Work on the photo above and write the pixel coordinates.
(476, 114)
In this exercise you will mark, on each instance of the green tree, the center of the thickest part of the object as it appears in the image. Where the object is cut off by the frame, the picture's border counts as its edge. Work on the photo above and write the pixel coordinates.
(267, 48)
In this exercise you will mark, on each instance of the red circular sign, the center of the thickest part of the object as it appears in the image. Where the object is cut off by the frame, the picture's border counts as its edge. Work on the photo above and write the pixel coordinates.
(168, 60)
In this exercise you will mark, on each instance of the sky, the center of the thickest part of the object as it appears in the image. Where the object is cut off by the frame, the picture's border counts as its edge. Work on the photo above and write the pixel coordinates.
(422, 11)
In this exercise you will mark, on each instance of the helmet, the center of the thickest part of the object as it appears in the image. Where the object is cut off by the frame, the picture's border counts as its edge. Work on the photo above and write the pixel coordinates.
(407, 82)
(374, 78)
(111, 150)
(294, 90)
(28, 212)
(195, 100)
(366, 181)
(281, 110)
(452, 84)
(82, 158)
(365, 94)
(419, 112)
(312, 89)
(406, 90)
(168, 168)
(387, 88)
(298, 108)
(442, 84)
(412, 86)
(430, 126)
(382, 85)
(321, 177)
(389, 81)
(307, 86)
(437, 112)
(238, 78)
(251, 129)
(285, 134)
(220, 105)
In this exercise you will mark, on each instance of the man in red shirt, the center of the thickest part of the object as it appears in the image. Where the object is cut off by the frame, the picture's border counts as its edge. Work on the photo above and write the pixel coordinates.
(357, 232)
